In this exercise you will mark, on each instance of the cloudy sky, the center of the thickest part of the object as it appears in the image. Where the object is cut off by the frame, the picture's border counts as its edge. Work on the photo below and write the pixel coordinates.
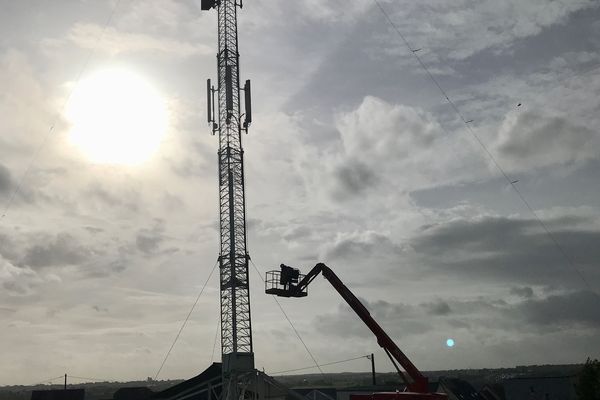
(354, 158)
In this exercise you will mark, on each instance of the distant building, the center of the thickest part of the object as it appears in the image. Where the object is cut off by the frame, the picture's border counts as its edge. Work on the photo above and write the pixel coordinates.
(543, 388)
(58, 394)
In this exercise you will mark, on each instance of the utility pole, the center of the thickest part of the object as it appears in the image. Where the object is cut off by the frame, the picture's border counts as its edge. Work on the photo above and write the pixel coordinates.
(236, 329)
(65, 381)
(372, 358)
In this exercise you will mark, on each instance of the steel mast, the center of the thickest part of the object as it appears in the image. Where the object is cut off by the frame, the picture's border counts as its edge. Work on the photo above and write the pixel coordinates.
(236, 329)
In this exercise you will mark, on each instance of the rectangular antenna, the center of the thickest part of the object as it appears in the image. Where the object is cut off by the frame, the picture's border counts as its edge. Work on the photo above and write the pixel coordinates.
(209, 101)
(207, 4)
(228, 89)
(248, 103)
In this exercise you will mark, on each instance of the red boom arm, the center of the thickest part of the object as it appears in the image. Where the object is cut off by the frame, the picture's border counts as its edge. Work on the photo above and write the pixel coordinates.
(419, 382)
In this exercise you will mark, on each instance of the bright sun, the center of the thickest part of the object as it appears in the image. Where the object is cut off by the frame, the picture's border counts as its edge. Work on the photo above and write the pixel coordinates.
(116, 117)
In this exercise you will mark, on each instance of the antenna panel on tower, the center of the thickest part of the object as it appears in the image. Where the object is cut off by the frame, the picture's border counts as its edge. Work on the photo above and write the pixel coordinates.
(248, 102)
(207, 4)
(209, 101)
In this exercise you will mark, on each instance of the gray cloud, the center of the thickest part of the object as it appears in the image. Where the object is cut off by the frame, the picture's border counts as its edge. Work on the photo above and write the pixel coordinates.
(148, 241)
(173, 203)
(557, 312)
(532, 140)
(15, 288)
(16, 281)
(8, 248)
(390, 147)
(353, 177)
(6, 183)
(45, 254)
(93, 230)
(363, 244)
(9, 187)
(525, 291)
(481, 26)
(398, 320)
(581, 307)
(296, 233)
(378, 131)
(438, 307)
(196, 162)
(60, 250)
(127, 199)
(510, 249)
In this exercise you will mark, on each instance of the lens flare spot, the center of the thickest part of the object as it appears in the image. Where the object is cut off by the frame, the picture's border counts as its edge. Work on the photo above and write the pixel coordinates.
(450, 342)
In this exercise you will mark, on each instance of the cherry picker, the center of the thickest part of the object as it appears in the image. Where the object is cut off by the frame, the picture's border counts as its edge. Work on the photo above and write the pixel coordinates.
(288, 282)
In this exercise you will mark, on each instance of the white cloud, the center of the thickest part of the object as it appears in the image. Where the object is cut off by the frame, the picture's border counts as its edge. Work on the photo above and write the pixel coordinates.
(155, 15)
(531, 140)
(399, 147)
(23, 96)
(112, 41)
(383, 131)
(16, 280)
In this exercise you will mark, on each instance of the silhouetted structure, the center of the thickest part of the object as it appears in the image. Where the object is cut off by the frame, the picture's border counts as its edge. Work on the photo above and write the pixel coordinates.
(133, 393)
(204, 386)
(458, 389)
(209, 386)
(236, 330)
(492, 392)
(345, 393)
(317, 393)
(542, 388)
(59, 394)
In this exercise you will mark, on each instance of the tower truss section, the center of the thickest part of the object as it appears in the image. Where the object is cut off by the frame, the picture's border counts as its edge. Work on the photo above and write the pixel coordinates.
(236, 328)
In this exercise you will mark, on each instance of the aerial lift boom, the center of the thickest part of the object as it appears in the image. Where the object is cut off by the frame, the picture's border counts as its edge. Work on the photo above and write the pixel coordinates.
(289, 283)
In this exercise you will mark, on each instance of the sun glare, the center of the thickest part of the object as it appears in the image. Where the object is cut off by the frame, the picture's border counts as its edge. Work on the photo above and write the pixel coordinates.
(116, 117)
